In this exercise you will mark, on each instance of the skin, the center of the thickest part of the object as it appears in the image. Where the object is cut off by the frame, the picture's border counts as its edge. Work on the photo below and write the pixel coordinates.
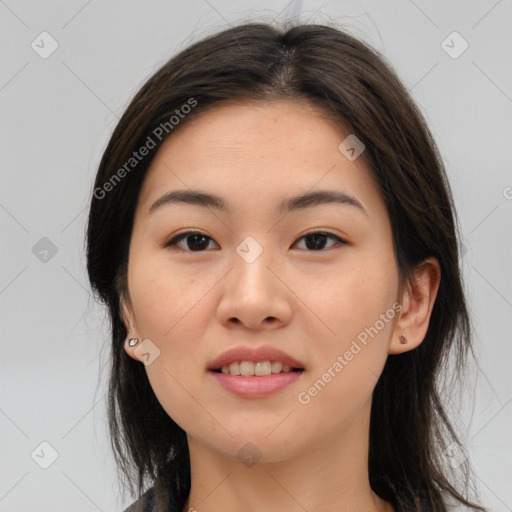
(194, 305)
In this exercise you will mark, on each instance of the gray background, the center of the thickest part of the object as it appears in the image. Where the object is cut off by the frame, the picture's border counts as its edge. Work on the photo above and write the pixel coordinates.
(57, 114)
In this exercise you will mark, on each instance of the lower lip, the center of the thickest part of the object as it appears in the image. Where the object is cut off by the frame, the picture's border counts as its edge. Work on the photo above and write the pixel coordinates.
(255, 387)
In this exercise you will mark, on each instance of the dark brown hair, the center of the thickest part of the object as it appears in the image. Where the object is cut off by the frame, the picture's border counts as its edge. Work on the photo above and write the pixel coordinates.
(353, 83)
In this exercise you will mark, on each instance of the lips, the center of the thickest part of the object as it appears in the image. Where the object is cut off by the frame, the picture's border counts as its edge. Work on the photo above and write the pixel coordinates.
(254, 354)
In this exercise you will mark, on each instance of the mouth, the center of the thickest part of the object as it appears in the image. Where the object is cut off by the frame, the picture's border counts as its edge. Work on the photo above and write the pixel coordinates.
(252, 361)
(251, 380)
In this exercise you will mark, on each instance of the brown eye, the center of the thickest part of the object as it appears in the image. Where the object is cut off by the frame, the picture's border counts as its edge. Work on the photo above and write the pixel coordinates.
(316, 240)
(194, 241)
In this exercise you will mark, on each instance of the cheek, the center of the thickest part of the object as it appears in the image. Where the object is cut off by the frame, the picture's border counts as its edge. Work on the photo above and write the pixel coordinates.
(168, 309)
(166, 297)
(349, 296)
(172, 309)
(350, 359)
(354, 308)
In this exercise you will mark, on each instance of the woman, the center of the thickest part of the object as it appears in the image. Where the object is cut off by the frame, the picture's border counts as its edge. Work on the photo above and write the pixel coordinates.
(274, 235)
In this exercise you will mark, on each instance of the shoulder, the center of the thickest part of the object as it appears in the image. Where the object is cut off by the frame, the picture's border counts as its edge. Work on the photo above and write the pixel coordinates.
(144, 503)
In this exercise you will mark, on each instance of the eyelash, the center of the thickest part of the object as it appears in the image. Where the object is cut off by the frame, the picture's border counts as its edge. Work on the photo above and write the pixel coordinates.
(173, 241)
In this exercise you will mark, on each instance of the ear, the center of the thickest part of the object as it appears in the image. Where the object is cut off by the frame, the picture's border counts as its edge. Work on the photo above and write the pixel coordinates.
(417, 299)
(128, 316)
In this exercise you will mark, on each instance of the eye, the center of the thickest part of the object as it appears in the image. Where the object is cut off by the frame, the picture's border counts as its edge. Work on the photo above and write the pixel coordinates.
(317, 239)
(198, 241)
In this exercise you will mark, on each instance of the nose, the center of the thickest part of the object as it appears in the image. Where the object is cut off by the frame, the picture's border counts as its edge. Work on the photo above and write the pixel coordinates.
(255, 294)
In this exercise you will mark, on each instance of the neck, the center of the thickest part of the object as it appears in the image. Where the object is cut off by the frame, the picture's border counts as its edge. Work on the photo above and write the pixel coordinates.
(330, 475)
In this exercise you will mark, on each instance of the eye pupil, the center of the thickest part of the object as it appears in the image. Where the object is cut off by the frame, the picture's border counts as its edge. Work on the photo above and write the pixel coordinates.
(199, 246)
(319, 241)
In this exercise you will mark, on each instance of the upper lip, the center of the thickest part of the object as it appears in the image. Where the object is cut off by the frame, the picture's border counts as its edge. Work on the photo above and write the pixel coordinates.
(255, 354)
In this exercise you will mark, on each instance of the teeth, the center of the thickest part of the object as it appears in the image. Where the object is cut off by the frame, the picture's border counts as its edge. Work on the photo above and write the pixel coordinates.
(260, 369)
(277, 366)
(246, 368)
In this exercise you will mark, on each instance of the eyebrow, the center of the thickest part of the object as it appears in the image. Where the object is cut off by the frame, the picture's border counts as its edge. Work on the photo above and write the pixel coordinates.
(300, 202)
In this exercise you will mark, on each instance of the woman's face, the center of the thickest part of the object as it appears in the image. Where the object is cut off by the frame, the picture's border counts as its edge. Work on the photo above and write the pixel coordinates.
(259, 278)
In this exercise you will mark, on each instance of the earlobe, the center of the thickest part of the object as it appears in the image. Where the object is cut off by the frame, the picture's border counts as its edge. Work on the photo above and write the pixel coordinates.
(130, 345)
(402, 343)
(418, 300)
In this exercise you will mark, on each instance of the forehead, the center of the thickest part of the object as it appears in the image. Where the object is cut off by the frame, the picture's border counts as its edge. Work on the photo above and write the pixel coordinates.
(257, 153)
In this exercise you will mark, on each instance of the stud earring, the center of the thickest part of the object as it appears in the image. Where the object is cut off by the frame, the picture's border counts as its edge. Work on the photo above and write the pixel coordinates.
(403, 339)
(133, 341)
